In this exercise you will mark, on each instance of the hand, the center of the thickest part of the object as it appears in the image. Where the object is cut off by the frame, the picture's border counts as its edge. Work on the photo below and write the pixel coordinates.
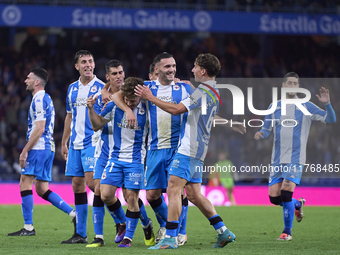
(176, 80)
(258, 135)
(239, 127)
(324, 95)
(131, 119)
(64, 151)
(143, 92)
(91, 101)
(22, 158)
(105, 96)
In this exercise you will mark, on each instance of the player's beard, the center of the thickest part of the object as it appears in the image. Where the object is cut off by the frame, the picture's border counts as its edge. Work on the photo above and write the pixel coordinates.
(164, 78)
(290, 96)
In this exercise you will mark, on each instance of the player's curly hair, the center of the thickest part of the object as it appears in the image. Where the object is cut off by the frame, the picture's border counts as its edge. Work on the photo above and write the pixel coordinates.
(210, 63)
(128, 88)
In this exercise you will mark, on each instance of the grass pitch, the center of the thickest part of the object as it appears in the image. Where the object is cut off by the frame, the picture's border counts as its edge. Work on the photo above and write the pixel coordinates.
(256, 230)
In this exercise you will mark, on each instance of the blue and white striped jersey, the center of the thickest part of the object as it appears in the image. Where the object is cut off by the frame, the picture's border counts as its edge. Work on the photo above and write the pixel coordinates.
(195, 131)
(164, 128)
(291, 132)
(106, 139)
(82, 134)
(42, 108)
(128, 144)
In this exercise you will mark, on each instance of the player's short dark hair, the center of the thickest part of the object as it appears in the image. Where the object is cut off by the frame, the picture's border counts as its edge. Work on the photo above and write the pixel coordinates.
(161, 56)
(80, 54)
(42, 74)
(290, 74)
(152, 68)
(210, 63)
(128, 88)
(112, 63)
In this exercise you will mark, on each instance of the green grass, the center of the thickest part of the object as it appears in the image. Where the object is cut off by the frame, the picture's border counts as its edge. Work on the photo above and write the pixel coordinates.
(256, 229)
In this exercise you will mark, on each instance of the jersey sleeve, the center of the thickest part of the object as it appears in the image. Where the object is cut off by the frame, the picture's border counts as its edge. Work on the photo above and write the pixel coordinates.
(68, 101)
(40, 109)
(317, 113)
(194, 100)
(267, 125)
(97, 105)
(107, 113)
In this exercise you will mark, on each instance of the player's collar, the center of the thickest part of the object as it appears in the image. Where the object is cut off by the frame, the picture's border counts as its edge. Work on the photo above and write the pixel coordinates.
(90, 83)
(210, 82)
(38, 93)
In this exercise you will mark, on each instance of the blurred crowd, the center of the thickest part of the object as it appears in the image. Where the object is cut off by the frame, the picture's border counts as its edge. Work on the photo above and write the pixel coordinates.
(241, 56)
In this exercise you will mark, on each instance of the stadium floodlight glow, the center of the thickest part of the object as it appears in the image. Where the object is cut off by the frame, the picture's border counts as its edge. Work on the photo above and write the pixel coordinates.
(238, 100)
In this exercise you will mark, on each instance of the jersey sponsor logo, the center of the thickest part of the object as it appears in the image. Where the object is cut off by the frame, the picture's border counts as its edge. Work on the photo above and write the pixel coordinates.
(175, 163)
(124, 124)
(80, 101)
(167, 99)
(90, 161)
(153, 87)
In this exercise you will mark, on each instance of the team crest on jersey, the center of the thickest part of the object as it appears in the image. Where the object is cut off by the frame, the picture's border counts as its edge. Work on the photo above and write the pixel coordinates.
(176, 87)
(94, 89)
(141, 111)
(104, 175)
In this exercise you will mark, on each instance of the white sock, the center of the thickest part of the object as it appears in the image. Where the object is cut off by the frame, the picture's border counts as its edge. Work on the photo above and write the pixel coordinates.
(147, 225)
(100, 236)
(28, 227)
(221, 230)
(72, 214)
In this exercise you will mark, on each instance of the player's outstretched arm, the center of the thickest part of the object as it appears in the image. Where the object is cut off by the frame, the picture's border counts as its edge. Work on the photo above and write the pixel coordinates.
(36, 134)
(118, 99)
(105, 93)
(259, 135)
(97, 122)
(145, 93)
(234, 125)
(66, 135)
(325, 99)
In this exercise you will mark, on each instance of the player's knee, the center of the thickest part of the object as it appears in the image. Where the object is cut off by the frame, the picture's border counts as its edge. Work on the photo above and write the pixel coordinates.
(275, 200)
(152, 195)
(106, 197)
(132, 200)
(193, 198)
(286, 196)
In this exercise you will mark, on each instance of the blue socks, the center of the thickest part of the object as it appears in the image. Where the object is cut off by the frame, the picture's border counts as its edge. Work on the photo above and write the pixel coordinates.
(216, 221)
(171, 228)
(143, 215)
(297, 204)
(27, 206)
(131, 223)
(57, 201)
(81, 213)
(183, 224)
(288, 216)
(161, 210)
(117, 211)
(98, 215)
